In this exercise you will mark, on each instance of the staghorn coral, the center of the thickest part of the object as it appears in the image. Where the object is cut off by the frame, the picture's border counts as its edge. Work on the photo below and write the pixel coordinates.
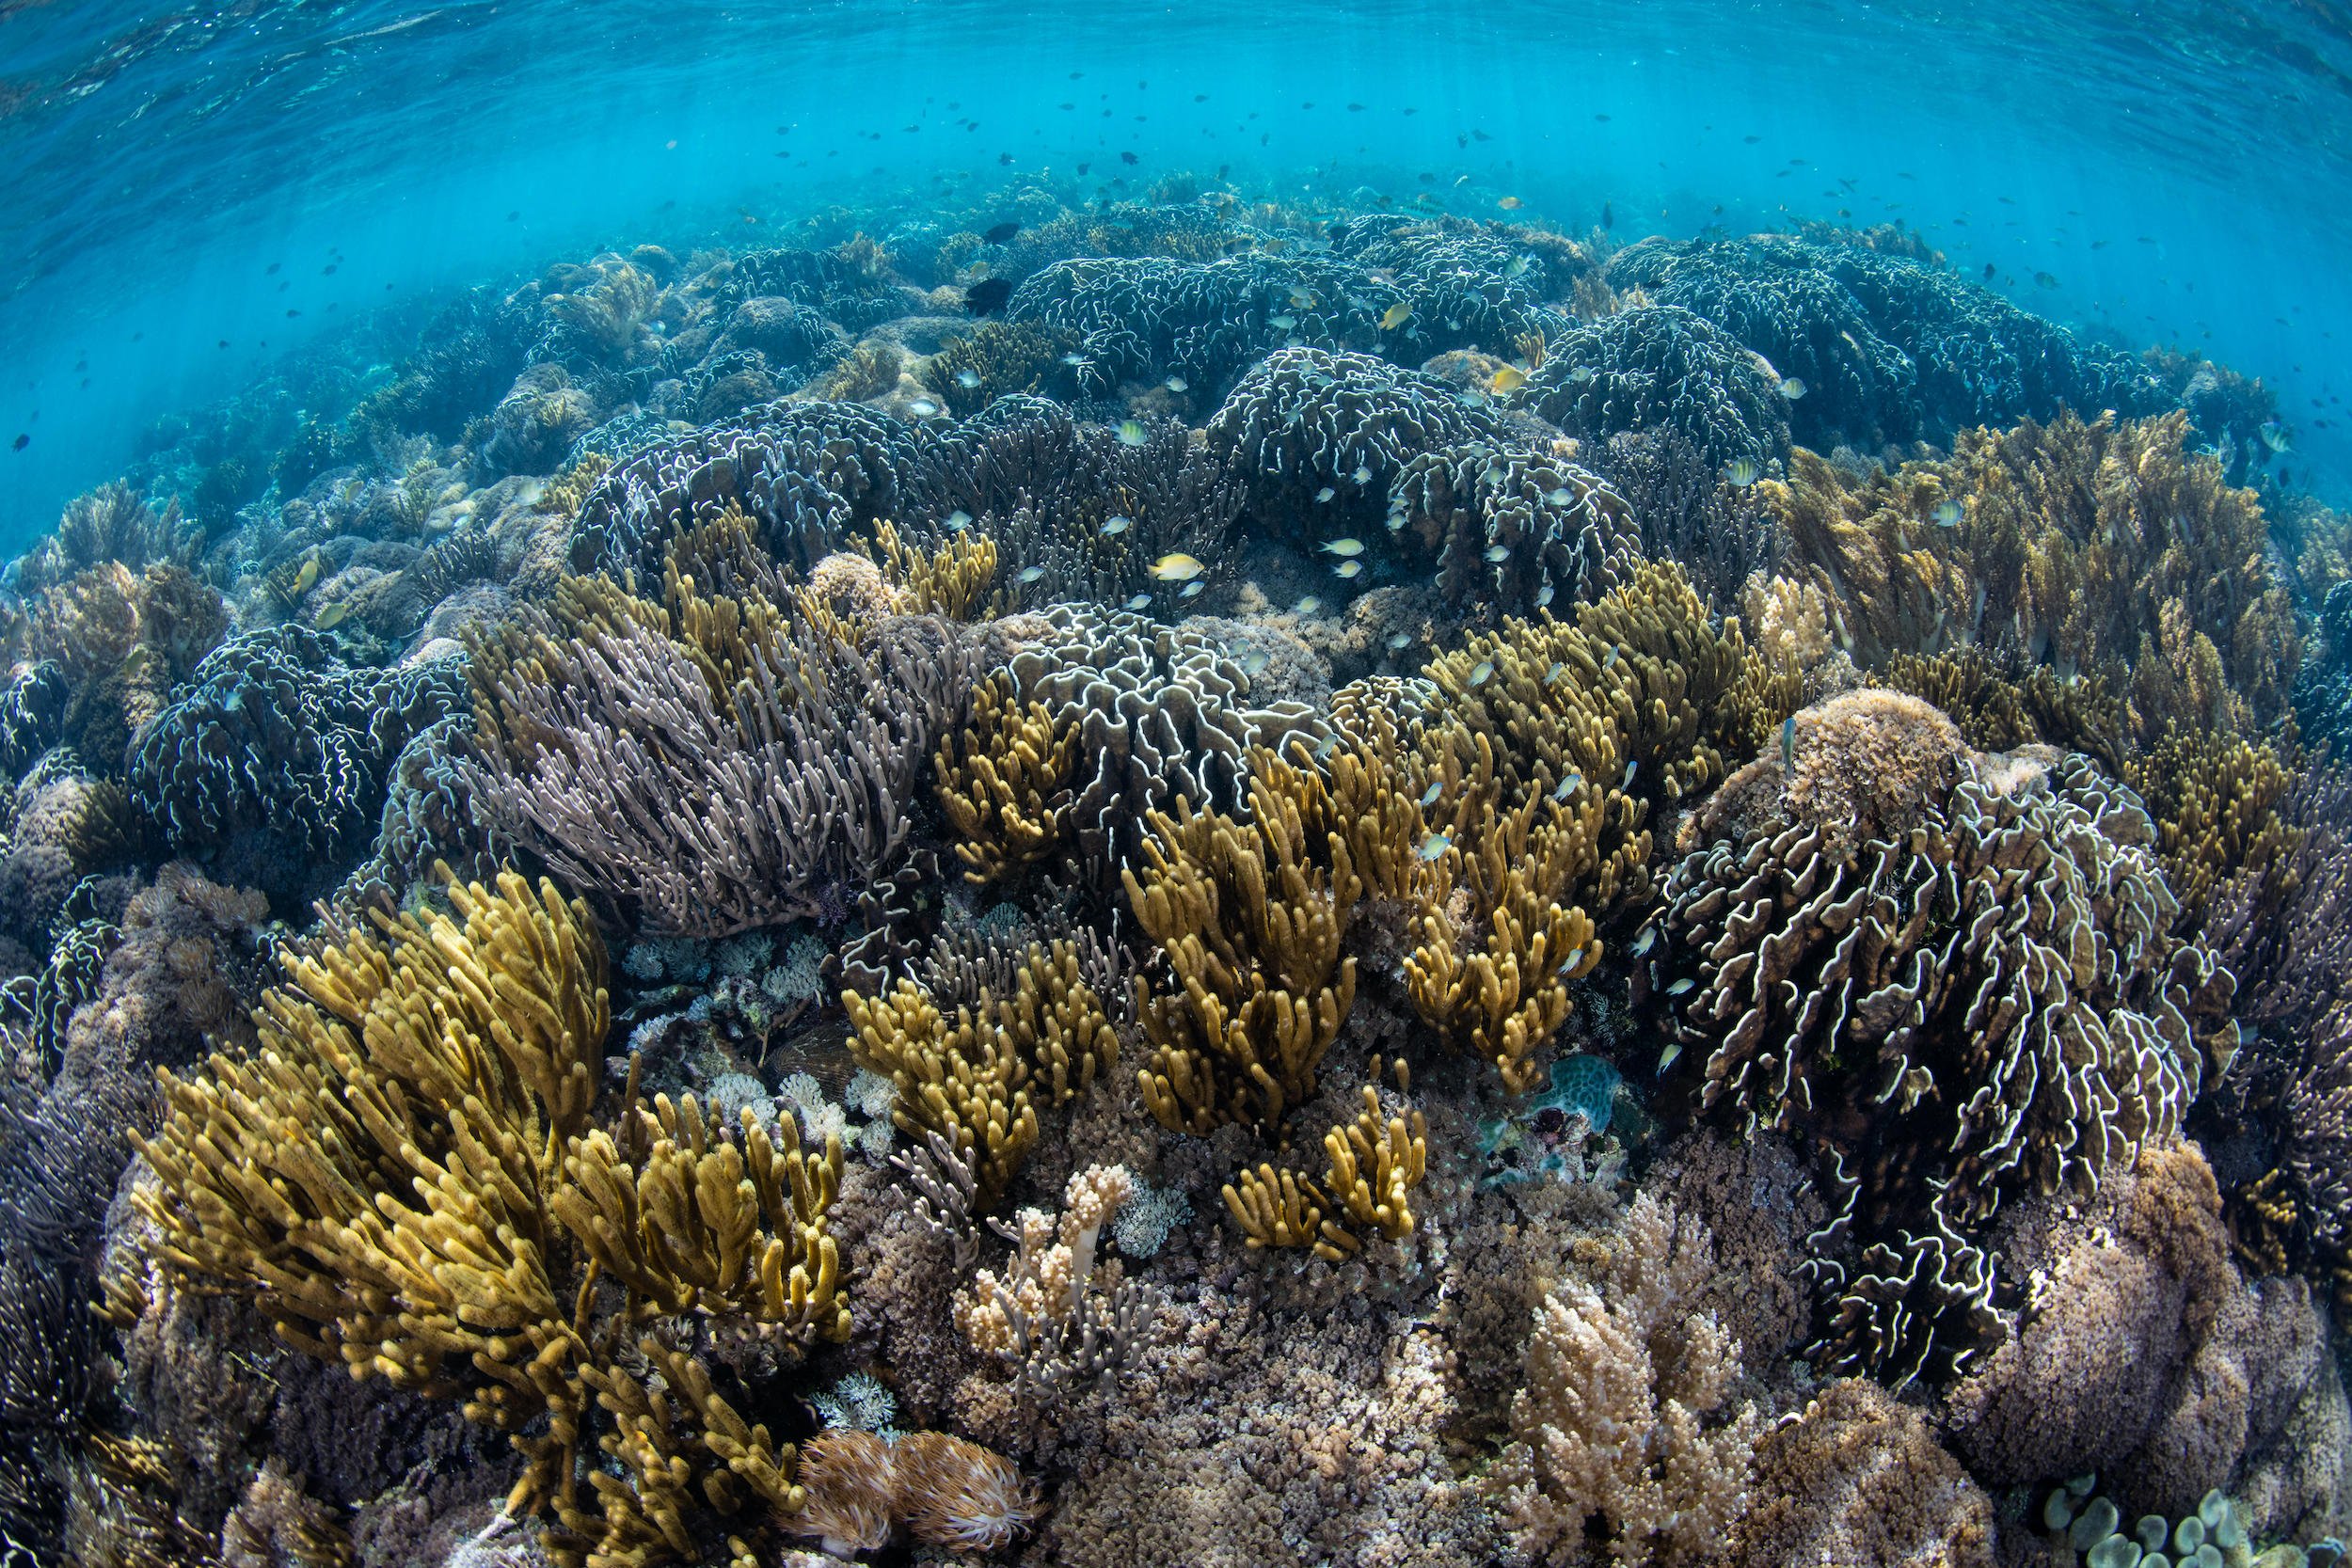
(1990, 1003)
(1625, 1440)
(1662, 368)
(457, 1056)
(783, 768)
(2081, 545)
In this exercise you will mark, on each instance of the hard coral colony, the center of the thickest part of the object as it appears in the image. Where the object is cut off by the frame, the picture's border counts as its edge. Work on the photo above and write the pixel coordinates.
(776, 906)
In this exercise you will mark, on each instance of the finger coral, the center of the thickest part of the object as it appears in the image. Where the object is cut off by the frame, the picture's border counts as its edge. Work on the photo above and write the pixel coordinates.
(1056, 1318)
(1374, 1163)
(456, 1058)
(1625, 1441)
(1004, 785)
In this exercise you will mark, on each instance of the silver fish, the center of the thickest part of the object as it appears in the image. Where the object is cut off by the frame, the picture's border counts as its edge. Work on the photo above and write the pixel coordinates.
(1483, 672)
(1497, 554)
(1429, 796)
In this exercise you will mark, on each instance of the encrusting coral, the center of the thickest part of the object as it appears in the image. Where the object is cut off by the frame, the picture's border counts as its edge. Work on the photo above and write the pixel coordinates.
(456, 1058)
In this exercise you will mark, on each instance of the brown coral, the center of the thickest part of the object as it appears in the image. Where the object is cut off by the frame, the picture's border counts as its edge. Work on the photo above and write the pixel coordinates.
(1858, 1480)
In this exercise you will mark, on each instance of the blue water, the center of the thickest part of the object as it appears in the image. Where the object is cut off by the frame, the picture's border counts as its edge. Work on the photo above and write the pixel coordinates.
(193, 196)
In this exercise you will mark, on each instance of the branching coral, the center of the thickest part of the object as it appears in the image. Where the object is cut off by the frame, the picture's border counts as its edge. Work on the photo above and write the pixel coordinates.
(1058, 1318)
(456, 1059)
(1374, 1163)
(1249, 915)
(1005, 784)
(2083, 545)
(1989, 1003)
(1625, 1440)
(968, 1078)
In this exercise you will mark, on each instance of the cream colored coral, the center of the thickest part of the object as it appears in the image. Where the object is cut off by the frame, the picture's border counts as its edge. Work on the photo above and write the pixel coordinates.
(1047, 1279)
(1622, 1413)
(1788, 620)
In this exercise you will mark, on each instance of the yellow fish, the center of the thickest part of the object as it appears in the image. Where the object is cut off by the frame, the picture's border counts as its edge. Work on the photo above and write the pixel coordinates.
(1177, 567)
(1508, 379)
(1396, 315)
(1510, 204)
(332, 615)
(308, 576)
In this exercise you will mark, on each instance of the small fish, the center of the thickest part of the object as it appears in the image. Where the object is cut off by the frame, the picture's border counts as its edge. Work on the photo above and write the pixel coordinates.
(1552, 676)
(1396, 315)
(1255, 660)
(1191, 590)
(1609, 659)
(308, 577)
(1789, 743)
(22, 440)
(1580, 373)
(958, 520)
(1177, 384)
(1284, 323)
(1791, 387)
(1362, 474)
(1947, 514)
(1131, 433)
(2045, 280)
(1543, 597)
(1566, 786)
(1497, 554)
(1517, 265)
(1032, 574)
(1608, 213)
(332, 615)
(2273, 435)
(1076, 361)
(1128, 158)
(967, 379)
(1325, 494)
(1141, 601)
(999, 234)
(1348, 568)
(1666, 1057)
(1508, 379)
(1629, 769)
(1396, 522)
(922, 409)
(1177, 566)
(1429, 796)
(1648, 940)
(1742, 472)
(1682, 987)
(988, 296)
(1308, 606)
(1483, 672)
(1342, 547)
(1435, 845)
(1400, 641)
(1114, 526)
(1510, 203)
(1559, 497)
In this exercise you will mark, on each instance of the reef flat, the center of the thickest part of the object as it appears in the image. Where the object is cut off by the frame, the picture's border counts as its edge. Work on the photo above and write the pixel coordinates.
(1192, 880)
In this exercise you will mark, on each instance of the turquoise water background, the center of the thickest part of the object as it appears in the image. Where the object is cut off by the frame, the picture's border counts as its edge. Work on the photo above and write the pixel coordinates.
(262, 174)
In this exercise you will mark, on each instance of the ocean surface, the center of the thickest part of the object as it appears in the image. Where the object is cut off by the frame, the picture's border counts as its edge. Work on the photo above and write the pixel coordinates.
(184, 179)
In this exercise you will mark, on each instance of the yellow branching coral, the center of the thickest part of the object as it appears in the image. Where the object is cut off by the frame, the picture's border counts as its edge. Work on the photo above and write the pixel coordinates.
(404, 1175)
(952, 581)
(961, 1079)
(565, 491)
(1374, 1162)
(2215, 800)
(970, 1079)
(1251, 921)
(2088, 546)
(1005, 782)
